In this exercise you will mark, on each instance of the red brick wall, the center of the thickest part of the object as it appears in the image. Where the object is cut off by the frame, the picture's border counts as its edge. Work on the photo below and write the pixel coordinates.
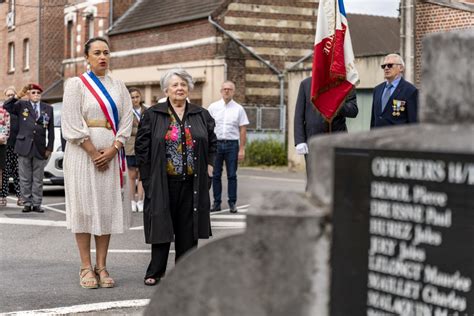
(162, 58)
(101, 24)
(433, 18)
(52, 42)
(235, 61)
(46, 49)
(26, 26)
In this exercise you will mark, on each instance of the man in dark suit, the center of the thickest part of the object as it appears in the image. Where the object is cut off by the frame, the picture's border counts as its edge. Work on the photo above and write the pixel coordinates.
(309, 122)
(34, 143)
(395, 101)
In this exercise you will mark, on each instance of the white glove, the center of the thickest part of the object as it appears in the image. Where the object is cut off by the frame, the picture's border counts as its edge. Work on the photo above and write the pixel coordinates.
(302, 149)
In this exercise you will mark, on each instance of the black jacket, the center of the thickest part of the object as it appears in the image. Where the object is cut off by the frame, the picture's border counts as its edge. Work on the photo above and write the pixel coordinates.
(309, 122)
(405, 92)
(151, 159)
(32, 132)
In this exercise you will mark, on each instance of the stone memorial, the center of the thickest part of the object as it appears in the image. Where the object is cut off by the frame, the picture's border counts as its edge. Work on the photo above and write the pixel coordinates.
(403, 199)
(385, 229)
(410, 222)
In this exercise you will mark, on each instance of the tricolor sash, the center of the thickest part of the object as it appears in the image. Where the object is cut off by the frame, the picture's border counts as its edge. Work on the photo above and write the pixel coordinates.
(109, 108)
(137, 114)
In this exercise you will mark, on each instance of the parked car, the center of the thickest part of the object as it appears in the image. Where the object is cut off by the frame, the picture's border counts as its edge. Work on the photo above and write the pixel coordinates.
(53, 172)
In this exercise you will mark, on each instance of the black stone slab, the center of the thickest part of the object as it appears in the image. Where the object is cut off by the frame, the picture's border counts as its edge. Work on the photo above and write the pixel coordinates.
(376, 192)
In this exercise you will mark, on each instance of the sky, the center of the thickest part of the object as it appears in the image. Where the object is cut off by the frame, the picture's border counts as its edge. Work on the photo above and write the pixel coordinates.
(374, 7)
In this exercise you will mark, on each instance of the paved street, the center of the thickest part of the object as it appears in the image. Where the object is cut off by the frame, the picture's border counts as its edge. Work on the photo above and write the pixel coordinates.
(39, 262)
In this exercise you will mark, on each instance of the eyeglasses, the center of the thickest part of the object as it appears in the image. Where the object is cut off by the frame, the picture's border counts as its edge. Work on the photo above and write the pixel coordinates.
(389, 66)
(35, 92)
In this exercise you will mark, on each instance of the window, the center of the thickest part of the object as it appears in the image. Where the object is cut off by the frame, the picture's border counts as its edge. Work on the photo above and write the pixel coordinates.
(90, 26)
(70, 40)
(11, 57)
(11, 14)
(26, 54)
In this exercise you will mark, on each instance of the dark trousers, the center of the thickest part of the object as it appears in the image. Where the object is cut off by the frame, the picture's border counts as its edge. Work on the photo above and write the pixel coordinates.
(181, 208)
(31, 171)
(11, 170)
(228, 152)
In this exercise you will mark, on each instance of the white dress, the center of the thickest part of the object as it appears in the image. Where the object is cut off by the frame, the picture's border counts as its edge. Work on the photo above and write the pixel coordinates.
(95, 202)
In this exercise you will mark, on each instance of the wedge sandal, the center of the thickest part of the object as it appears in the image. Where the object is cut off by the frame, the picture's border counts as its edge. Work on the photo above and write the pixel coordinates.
(106, 281)
(87, 282)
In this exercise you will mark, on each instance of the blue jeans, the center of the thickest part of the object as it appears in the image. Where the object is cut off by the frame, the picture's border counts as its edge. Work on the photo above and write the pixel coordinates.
(228, 151)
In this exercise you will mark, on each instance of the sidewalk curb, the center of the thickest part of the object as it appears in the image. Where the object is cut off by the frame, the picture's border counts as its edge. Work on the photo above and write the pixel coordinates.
(83, 308)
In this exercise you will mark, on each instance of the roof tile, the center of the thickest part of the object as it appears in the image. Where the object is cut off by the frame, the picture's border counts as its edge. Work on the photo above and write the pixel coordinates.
(152, 13)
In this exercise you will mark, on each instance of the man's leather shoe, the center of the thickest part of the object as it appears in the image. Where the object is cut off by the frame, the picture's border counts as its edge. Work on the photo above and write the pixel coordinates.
(216, 208)
(38, 209)
(232, 208)
(26, 209)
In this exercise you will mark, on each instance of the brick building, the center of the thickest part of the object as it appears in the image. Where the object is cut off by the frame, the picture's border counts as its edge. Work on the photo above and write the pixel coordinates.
(81, 20)
(250, 42)
(430, 16)
(31, 41)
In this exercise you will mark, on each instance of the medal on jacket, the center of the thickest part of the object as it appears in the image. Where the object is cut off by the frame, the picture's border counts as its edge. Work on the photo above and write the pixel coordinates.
(45, 120)
(26, 112)
(397, 107)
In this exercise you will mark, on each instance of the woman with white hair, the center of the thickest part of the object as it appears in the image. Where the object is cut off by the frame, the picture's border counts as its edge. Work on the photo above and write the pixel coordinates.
(175, 149)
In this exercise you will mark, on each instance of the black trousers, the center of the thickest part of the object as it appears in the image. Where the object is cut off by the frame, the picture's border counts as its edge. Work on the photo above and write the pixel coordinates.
(181, 208)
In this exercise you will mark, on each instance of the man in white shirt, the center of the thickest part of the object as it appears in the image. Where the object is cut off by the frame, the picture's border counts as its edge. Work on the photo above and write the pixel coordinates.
(231, 121)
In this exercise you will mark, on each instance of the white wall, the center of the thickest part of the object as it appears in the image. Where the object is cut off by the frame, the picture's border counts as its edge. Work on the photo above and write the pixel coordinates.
(210, 72)
(295, 162)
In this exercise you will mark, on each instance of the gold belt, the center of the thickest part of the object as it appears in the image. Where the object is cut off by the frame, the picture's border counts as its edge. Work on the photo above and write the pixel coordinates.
(99, 123)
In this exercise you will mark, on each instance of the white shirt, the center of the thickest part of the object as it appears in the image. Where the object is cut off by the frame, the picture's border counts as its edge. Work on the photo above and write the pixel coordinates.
(229, 117)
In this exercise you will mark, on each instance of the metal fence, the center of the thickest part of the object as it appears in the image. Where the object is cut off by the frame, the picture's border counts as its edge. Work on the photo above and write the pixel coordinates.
(266, 118)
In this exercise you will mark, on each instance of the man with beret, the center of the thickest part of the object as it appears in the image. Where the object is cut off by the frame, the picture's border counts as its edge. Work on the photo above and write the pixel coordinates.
(34, 143)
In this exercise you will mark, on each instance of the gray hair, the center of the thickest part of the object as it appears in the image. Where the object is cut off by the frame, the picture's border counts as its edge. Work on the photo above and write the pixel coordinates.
(228, 81)
(400, 59)
(180, 72)
(9, 88)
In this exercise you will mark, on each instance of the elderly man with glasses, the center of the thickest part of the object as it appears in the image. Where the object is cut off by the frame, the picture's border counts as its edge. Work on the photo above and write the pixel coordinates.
(34, 143)
(395, 101)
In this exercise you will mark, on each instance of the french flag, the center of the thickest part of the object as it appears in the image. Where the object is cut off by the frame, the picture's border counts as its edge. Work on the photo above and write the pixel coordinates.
(334, 72)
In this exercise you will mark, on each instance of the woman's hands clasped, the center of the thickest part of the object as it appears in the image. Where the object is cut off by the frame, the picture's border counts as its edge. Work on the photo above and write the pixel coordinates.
(103, 157)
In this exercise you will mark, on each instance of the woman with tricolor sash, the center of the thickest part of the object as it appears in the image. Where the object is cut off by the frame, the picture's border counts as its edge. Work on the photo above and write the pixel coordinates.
(96, 123)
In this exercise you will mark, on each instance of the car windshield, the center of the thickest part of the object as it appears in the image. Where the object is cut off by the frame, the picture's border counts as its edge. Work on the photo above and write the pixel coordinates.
(57, 107)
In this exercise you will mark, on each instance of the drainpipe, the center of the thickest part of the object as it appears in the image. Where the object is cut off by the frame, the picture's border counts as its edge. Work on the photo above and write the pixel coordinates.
(280, 74)
(40, 3)
(111, 13)
(281, 78)
(299, 61)
(407, 37)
